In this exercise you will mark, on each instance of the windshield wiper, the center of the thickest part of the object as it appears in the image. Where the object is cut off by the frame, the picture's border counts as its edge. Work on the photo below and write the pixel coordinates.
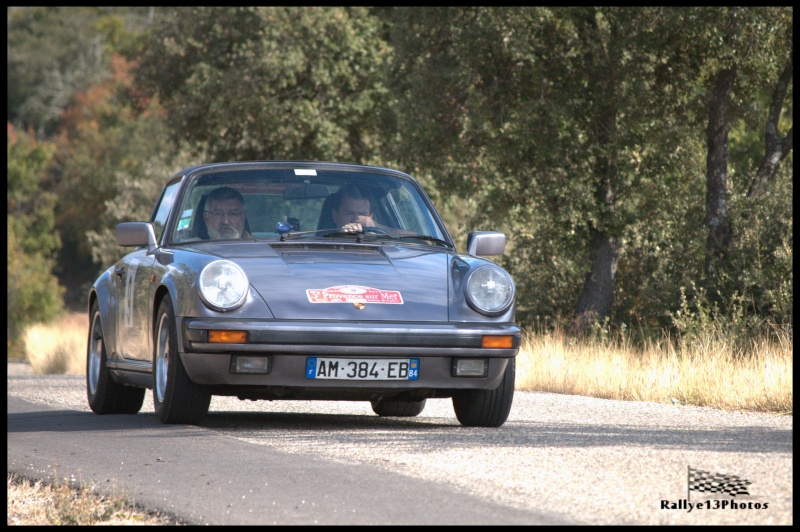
(380, 234)
(325, 232)
(429, 238)
(335, 232)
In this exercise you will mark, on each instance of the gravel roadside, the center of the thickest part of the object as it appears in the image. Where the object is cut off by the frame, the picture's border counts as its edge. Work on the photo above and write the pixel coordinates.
(15, 369)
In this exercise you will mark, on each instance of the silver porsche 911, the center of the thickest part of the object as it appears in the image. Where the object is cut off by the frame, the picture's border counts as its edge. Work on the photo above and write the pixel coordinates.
(301, 280)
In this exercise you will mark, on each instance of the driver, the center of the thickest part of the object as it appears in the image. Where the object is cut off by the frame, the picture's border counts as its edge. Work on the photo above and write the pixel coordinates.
(224, 215)
(352, 212)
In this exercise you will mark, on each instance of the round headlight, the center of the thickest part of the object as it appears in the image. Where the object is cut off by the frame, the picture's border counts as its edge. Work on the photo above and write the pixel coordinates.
(223, 285)
(490, 290)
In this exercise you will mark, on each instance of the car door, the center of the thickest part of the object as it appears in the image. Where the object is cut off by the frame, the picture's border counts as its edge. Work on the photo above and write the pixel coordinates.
(133, 296)
(136, 284)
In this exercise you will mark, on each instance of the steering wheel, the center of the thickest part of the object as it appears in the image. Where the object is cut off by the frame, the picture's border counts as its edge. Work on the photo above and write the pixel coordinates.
(376, 230)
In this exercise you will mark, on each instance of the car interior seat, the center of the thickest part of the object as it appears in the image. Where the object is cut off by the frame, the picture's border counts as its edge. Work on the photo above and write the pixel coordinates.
(199, 228)
(326, 213)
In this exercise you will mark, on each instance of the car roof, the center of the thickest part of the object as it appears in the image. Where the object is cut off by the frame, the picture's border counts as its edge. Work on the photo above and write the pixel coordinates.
(318, 165)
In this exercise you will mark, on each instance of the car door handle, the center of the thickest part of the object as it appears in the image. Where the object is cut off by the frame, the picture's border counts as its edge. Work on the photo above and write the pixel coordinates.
(120, 271)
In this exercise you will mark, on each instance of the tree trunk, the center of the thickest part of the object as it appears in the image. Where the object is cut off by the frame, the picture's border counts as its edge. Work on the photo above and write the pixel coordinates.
(597, 296)
(776, 149)
(598, 290)
(717, 177)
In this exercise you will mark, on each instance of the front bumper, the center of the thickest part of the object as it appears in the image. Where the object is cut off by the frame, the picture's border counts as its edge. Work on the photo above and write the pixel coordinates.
(290, 343)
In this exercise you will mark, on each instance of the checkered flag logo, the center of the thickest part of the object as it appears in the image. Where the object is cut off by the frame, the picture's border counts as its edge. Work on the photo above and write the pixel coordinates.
(706, 482)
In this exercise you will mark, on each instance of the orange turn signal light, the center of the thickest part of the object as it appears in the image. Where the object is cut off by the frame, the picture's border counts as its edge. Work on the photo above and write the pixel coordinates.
(497, 342)
(227, 337)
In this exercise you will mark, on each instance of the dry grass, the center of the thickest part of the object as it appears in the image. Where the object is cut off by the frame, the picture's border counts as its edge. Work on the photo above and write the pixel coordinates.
(58, 348)
(37, 503)
(709, 371)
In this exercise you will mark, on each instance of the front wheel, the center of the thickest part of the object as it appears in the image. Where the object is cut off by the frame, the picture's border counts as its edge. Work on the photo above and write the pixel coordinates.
(177, 400)
(106, 396)
(486, 408)
(398, 408)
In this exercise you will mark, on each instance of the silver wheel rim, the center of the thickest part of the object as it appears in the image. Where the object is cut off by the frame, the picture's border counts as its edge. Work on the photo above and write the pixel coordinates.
(95, 353)
(162, 358)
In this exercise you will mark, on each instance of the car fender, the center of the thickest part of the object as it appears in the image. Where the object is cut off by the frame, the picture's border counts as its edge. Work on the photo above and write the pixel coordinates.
(460, 311)
(180, 280)
(103, 292)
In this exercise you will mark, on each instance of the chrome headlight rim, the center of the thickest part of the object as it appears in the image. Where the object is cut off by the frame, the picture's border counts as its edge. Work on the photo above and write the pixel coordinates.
(478, 306)
(240, 277)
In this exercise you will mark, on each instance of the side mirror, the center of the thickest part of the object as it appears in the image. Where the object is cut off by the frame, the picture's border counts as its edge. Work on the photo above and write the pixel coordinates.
(136, 234)
(486, 243)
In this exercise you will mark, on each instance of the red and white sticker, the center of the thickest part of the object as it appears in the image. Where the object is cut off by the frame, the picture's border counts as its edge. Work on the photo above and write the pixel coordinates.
(354, 294)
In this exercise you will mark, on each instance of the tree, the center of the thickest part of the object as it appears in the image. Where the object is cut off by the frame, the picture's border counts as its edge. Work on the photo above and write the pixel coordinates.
(65, 83)
(270, 82)
(559, 122)
(113, 160)
(33, 293)
(776, 146)
(581, 131)
(753, 46)
(56, 52)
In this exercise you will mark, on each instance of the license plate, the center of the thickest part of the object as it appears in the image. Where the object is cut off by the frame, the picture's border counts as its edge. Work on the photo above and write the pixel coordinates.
(361, 369)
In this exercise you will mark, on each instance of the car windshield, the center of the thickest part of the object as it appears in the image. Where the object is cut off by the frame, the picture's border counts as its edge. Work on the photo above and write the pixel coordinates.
(301, 203)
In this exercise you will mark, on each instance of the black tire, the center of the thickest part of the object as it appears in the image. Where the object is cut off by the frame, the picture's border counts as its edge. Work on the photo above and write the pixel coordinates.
(106, 396)
(176, 399)
(398, 408)
(486, 408)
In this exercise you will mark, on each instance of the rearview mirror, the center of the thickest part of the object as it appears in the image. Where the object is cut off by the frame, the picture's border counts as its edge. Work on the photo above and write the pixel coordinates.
(309, 191)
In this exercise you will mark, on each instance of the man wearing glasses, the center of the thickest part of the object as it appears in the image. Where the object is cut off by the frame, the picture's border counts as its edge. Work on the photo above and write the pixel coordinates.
(224, 214)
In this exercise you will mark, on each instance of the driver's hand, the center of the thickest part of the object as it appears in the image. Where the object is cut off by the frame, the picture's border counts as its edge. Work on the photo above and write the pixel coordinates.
(352, 228)
(359, 225)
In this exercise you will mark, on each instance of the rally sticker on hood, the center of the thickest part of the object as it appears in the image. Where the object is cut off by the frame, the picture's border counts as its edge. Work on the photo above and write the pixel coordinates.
(354, 294)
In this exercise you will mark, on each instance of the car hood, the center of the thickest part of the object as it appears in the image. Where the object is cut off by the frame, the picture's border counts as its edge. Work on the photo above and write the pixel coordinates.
(327, 281)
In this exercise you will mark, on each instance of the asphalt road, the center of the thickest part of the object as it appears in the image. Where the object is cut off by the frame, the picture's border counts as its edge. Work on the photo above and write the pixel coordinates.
(558, 460)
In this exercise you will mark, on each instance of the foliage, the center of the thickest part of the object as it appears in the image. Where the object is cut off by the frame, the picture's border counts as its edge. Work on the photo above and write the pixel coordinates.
(749, 55)
(269, 82)
(662, 250)
(33, 293)
(508, 109)
(757, 274)
(113, 161)
(512, 130)
(56, 52)
(137, 191)
(66, 81)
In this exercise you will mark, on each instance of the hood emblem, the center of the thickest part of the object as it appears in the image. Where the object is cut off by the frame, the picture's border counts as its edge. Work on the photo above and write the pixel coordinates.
(359, 305)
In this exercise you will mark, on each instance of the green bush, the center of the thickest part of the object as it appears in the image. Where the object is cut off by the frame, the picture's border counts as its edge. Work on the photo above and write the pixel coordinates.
(33, 292)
